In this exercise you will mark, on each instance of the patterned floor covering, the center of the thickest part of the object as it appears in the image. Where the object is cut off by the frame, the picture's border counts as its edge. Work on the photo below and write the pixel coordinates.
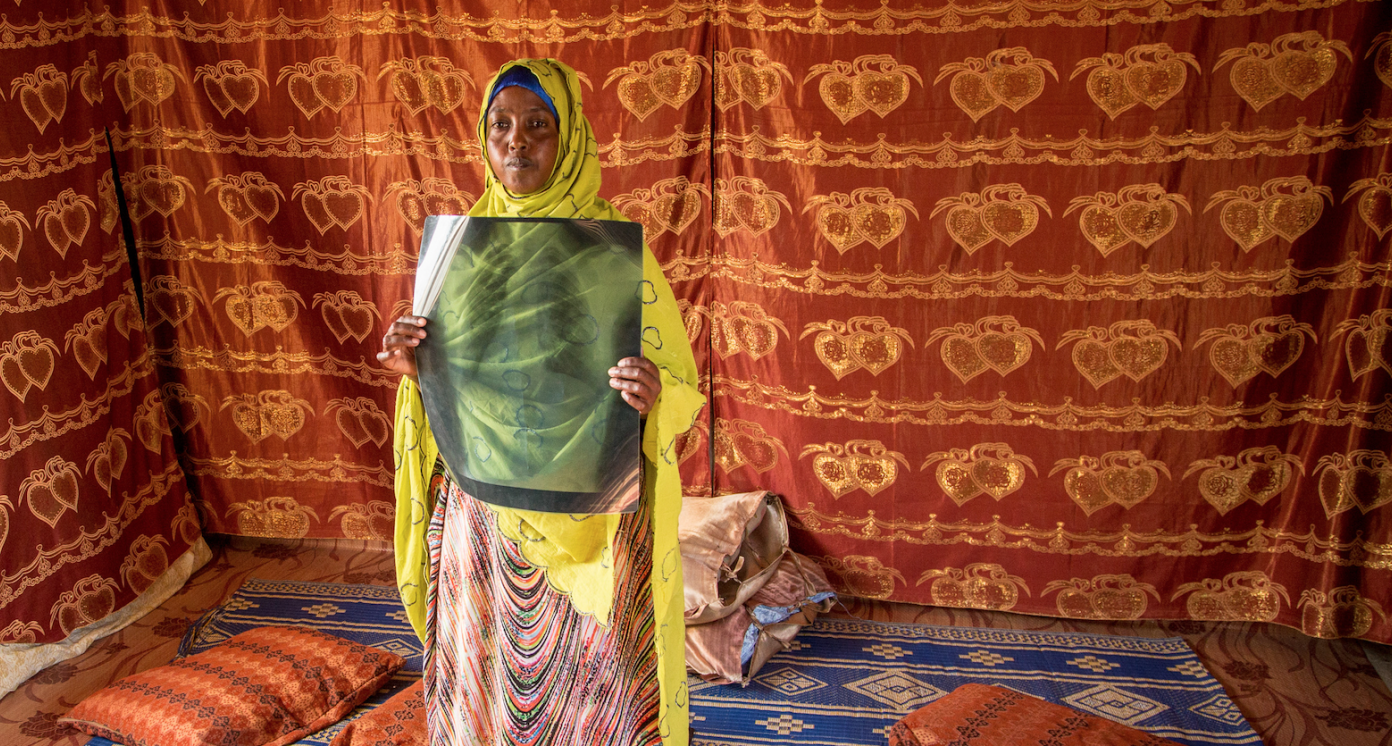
(844, 682)
(1293, 690)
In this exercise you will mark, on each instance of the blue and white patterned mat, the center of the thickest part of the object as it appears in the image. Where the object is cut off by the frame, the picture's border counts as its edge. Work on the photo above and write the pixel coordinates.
(842, 684)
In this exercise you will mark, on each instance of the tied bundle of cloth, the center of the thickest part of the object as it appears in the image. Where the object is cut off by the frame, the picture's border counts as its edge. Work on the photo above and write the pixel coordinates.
(747, 594)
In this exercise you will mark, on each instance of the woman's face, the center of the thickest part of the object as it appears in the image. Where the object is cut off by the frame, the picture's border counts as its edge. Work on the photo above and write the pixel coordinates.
(522, 140)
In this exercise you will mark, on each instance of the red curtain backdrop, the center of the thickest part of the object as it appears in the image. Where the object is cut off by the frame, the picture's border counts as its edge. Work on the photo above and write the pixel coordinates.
(1068, 308)
(93, 502)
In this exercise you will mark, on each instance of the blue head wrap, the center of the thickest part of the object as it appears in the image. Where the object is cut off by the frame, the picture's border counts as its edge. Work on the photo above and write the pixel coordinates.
(523, 78)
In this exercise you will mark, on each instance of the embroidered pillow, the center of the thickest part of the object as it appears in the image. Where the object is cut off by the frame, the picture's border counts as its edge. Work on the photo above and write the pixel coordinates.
(980, 715)
(400, 721)
(265, 687)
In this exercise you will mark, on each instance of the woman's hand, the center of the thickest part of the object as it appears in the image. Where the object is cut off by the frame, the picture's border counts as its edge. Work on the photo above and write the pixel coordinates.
(637, 380)
(398, 353)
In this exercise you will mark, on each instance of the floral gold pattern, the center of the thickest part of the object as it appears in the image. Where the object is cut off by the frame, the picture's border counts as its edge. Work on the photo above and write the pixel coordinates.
(859, 464)
(282, 517)
(11, 235)
(323, 82)
(997, 343)
(1340, 612)
(373, 521)
(743, 326)
(1285, 207)
(668, 78)
(1134, 349)
(1268, 345)
(669, 205)
(1381, 53)
(247, 196)
(27, 362)
(1004, 211)
(268, 413)
(145, 562)
(1375, 204)
(360, 420)
(872, 82)
(1011, 77)
(986, 468)
(1125, 478)
(87, 340)
(1298, 64)
(871, 214)
(107, 461)
(747, 75)
(1143, 213)
(170, 301)
(143, 78)
(51, 491)
(1360, 479)
(742, 443)
(331, 201)
(1102, 597)
(184, 407)
(265, 303)
(980, 585)
(91, 598)
(423, 82)
(1368, 344)
(346, 314)
(1149, 74)
(1257, 474)
(746, 203)
(230, 85)
(1247, 596)
(868, 342)
(862, 576)
(65, 220)
(416, 199)
(43, 94)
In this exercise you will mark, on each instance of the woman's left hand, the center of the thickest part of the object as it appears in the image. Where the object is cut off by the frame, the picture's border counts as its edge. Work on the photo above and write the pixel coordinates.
(637, 380)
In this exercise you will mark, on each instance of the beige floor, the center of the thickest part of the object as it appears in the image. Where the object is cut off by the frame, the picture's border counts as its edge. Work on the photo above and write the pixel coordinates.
(1293, 689)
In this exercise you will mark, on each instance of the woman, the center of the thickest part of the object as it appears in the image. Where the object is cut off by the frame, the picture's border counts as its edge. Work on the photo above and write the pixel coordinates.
(545, 628)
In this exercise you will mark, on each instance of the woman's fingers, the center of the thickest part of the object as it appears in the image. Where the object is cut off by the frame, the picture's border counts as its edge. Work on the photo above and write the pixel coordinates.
(398, 345)
(638, 382)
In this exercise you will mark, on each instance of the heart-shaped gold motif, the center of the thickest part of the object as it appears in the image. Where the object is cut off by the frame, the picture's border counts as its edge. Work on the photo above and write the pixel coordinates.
(1099, 226)
(873, 473)
(1233, 360)
(875, 352)
(1146, 222)
(832, 350)
(1085, 489)
(1273, 353)
(1010, 221)
(636, 95)
(960, 355)
(1002, 352)
(1302, 73)
(1108, 89)
(1093, 360)
(965, 226)
(837, 227)
(1128, 486)
(838, 93)
(956, 481)
(1015, 86)
(882, 92)
(833, 474)
(998, 477)
(1290, 215)
(1242, 221)
(1375, 207)
(1138, 358)
(878, 224)
(1155, 83)
(1254, 82)
(972, 93)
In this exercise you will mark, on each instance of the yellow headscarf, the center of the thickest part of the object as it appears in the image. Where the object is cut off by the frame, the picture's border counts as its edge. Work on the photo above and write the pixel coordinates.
(574, 549)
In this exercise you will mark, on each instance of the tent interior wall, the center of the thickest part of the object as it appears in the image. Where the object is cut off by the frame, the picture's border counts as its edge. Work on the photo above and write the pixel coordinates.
(1075, 309)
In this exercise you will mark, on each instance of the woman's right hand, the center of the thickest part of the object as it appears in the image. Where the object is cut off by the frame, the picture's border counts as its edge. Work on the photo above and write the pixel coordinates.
(398, 353)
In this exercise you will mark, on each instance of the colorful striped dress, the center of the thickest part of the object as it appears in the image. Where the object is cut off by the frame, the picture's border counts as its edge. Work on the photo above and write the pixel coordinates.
(512, 662)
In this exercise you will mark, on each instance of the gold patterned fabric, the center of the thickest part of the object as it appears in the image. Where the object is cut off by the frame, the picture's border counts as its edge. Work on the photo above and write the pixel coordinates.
(1077, 308)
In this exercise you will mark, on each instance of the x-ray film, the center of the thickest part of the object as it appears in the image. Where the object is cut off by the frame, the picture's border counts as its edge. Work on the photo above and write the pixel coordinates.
(526, 317)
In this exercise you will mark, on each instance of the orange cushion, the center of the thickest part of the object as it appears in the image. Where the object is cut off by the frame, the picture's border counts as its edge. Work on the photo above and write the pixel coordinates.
(982, 715)
(265, 687)
(400, 721)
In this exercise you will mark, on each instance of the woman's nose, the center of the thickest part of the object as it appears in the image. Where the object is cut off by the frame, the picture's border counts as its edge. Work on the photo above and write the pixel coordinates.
(517, 139)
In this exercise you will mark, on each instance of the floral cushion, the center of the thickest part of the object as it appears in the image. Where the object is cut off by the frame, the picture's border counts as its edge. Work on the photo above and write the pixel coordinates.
(400, 721)
(265, 687)
(980, 715)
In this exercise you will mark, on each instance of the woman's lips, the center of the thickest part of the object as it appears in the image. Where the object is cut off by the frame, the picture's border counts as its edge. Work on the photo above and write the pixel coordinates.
(519, 163)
